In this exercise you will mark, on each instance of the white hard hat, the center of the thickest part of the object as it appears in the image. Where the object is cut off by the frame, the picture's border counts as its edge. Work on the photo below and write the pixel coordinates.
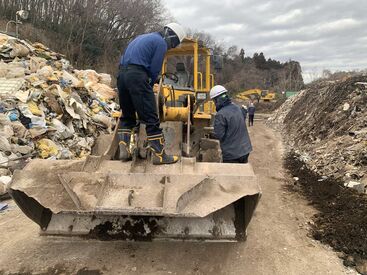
(217, 90)
(177, 29)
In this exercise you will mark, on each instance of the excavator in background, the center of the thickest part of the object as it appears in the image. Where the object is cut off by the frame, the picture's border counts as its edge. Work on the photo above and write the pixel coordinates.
(199, 198)
(257, 94)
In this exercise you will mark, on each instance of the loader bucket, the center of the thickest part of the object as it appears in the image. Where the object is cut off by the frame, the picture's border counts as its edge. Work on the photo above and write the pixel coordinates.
(109, 199)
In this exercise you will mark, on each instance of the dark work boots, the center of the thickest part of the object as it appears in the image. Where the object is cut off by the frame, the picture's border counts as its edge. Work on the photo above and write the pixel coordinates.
(156, 145)
(124, 136)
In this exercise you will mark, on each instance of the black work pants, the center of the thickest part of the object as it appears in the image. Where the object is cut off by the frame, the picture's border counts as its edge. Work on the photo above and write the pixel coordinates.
(243, 159)
(251, 120)
(137, 96)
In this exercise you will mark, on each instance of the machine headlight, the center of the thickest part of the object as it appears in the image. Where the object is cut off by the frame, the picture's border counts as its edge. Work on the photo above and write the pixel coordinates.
(201, 96)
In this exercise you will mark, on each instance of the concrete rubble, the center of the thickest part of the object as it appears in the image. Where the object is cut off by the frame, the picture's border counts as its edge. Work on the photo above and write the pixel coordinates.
(326, 125)
(47, 108)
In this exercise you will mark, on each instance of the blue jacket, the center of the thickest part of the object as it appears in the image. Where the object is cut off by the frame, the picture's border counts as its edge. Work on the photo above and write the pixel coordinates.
(147, 50)
(230, 128)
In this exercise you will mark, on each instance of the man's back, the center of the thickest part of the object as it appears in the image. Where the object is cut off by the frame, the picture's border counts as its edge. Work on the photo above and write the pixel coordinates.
(251, 110)
(230, 129)
(146, 50)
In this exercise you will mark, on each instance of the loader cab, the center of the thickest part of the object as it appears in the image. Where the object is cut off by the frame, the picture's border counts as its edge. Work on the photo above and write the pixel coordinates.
(181, 79)
(186, 72)
(264, 93)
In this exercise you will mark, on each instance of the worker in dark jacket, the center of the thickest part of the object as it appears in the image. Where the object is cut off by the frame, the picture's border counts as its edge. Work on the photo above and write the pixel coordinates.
(251, 114)
(139, 67)
(230, 127)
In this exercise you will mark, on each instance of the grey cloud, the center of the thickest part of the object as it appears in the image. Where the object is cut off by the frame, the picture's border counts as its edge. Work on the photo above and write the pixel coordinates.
(319, 33)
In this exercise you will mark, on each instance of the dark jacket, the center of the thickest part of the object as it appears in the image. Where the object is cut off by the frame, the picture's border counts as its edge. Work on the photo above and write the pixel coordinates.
(147, 50)
(230, 128)
(251, 110)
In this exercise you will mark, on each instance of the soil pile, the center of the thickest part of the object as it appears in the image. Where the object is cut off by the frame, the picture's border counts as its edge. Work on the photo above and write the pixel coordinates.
(342, 221)
(327, 126)
(268, 107)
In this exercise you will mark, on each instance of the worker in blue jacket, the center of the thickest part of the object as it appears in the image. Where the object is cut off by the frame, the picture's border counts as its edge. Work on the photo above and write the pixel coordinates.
(230, 127)
(139, 68)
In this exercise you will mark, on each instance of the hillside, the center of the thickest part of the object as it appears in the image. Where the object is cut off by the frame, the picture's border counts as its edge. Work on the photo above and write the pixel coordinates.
(243, 73)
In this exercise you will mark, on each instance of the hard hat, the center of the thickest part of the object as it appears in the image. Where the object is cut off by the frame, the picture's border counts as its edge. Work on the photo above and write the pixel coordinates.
(217, 91)
(177, 29)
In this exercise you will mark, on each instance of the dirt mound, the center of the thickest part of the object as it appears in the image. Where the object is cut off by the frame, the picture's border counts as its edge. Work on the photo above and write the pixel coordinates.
(342, 220)
(327, 125)
(320, 113)
(268, 107)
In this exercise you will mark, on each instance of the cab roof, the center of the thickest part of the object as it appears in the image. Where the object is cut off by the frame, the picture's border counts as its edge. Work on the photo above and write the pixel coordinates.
(187, 47)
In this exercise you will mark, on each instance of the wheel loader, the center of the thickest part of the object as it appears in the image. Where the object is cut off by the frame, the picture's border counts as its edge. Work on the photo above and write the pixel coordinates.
(197, 199)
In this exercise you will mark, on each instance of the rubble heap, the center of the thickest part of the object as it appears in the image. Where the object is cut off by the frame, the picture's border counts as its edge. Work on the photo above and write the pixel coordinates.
(48, 109)
(327, 126)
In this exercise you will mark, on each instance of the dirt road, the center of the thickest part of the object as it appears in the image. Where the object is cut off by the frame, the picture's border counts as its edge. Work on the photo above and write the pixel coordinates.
(277, 241)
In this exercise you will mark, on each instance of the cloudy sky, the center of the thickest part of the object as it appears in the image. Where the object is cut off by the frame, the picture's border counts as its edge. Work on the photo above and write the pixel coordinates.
(321, 34)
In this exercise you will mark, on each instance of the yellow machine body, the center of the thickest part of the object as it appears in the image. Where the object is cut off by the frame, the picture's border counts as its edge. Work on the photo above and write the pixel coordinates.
(173, 105)
(257, 94)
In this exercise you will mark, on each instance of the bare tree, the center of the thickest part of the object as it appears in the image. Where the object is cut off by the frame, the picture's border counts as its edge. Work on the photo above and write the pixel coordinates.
(89, 32)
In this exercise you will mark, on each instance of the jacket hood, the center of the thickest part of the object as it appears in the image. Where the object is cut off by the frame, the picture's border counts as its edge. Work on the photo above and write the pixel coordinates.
(221, 102)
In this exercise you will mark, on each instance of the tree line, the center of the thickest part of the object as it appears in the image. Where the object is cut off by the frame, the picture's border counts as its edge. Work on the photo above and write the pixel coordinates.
(91, 33)
(244, 72)
(241, 72)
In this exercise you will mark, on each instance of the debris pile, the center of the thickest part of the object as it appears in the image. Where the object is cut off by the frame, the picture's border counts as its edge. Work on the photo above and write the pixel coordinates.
(48, 109)
(327, 126)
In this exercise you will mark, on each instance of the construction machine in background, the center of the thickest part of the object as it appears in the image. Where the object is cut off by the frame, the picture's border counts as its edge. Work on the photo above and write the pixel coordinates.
(257, 94)
(197, 198)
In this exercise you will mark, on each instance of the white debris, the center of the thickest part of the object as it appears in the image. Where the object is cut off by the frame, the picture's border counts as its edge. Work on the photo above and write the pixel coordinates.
(346, 106)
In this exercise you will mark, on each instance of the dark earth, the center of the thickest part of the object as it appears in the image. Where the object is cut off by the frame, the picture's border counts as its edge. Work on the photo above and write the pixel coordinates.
(342, 218)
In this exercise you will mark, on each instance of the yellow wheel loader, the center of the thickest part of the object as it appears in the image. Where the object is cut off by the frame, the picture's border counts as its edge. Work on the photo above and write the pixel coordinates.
(197, 198)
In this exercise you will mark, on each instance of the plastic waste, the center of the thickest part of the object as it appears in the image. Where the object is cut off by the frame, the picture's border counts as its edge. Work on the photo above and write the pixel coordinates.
(13, 115)
(4, 144)
(47, 148)
(47, 108)
(34, 108)
(62, 131)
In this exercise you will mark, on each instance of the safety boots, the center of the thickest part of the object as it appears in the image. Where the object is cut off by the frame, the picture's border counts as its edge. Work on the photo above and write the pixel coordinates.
(159, 156)
(155, 145)
(124, 136)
